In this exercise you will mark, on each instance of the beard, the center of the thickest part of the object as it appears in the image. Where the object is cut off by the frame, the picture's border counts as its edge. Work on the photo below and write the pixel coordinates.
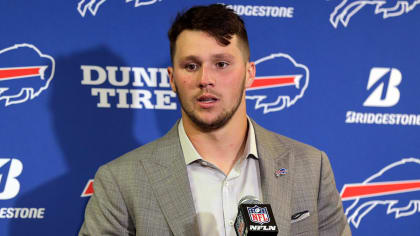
(220, 121)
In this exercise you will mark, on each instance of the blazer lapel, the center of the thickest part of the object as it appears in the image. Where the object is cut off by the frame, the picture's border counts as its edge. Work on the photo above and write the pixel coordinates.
(168, 176)
(276, 189)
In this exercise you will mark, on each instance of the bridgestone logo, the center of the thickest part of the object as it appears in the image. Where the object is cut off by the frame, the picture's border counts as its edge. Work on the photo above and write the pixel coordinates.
(263, 11)
(353, 117)
(22, 213)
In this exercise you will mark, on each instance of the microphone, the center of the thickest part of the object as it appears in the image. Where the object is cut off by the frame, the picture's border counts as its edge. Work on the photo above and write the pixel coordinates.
(254, 218)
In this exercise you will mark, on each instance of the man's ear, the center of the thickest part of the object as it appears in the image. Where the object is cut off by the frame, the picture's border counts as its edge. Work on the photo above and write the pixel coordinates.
(171, 78)
(250, 74)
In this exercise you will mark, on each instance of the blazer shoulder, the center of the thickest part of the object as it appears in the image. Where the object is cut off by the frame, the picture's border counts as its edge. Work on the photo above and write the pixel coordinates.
(272, 138)
(146, 151)
(298, 147)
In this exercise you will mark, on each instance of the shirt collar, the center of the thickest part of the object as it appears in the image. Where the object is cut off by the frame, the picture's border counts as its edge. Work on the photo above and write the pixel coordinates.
(191, 154)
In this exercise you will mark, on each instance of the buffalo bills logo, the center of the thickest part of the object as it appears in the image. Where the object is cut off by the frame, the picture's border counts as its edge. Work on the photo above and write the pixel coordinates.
(279, 84)
(399, 198)
(258, 214)
(348, 8)
(24, 73)
(93, 5)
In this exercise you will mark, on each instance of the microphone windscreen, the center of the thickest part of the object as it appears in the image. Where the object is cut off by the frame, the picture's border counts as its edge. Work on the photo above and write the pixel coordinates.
(248, 199)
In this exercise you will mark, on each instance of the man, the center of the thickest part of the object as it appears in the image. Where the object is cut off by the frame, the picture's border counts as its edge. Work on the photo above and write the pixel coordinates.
(189, 182)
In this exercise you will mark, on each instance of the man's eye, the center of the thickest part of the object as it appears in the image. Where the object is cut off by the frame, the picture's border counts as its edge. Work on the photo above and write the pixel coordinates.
(191, 67)
(222, 64)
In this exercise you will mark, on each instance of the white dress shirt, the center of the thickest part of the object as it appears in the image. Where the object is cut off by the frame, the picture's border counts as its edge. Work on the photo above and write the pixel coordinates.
(215, 194)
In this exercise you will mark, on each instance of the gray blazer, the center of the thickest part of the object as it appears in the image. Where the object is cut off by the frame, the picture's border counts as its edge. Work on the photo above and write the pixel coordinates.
(147, 192)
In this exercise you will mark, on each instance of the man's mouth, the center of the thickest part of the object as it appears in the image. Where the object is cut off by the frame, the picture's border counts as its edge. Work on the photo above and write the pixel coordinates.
(207, 99)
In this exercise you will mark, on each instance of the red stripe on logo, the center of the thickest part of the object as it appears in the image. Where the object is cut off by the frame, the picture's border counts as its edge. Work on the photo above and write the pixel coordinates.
(19, 72)
(270, 81)
(88, 191)
(377, 189)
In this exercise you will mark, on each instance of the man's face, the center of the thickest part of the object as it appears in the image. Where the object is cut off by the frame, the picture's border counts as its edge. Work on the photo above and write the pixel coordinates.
(210, 79)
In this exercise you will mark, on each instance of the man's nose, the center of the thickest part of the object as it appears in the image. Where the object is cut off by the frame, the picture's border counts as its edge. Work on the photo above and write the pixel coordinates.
(206, 78)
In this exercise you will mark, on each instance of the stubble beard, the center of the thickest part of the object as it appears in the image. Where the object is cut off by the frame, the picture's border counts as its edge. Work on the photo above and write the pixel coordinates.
(220, 120)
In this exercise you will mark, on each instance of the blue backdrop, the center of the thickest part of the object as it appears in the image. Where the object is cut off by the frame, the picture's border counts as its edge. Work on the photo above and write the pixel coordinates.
(84, 81)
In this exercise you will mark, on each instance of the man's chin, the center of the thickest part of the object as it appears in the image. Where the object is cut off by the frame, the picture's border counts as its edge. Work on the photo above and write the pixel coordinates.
(210, 124)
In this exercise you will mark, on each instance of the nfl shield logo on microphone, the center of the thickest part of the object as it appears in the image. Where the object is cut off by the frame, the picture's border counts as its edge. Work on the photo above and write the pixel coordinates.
(258, 215)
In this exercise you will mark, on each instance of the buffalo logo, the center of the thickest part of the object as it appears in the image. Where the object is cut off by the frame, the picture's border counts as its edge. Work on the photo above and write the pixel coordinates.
(284, 81)
(24, 73)
(258, 214)
(347, 8)
(380, 190)
(93, 5)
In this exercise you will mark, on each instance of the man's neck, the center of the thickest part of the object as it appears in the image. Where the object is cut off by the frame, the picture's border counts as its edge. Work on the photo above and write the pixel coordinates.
(221, 147)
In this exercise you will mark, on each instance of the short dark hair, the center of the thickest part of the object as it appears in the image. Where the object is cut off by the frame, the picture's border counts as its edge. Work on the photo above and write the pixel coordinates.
(217, 20)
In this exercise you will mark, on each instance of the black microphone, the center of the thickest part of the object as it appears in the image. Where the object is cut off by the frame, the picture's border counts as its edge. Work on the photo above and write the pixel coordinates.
(254, 218)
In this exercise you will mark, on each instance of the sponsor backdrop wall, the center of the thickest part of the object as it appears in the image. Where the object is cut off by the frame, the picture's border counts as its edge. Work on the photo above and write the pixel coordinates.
(84, 81)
